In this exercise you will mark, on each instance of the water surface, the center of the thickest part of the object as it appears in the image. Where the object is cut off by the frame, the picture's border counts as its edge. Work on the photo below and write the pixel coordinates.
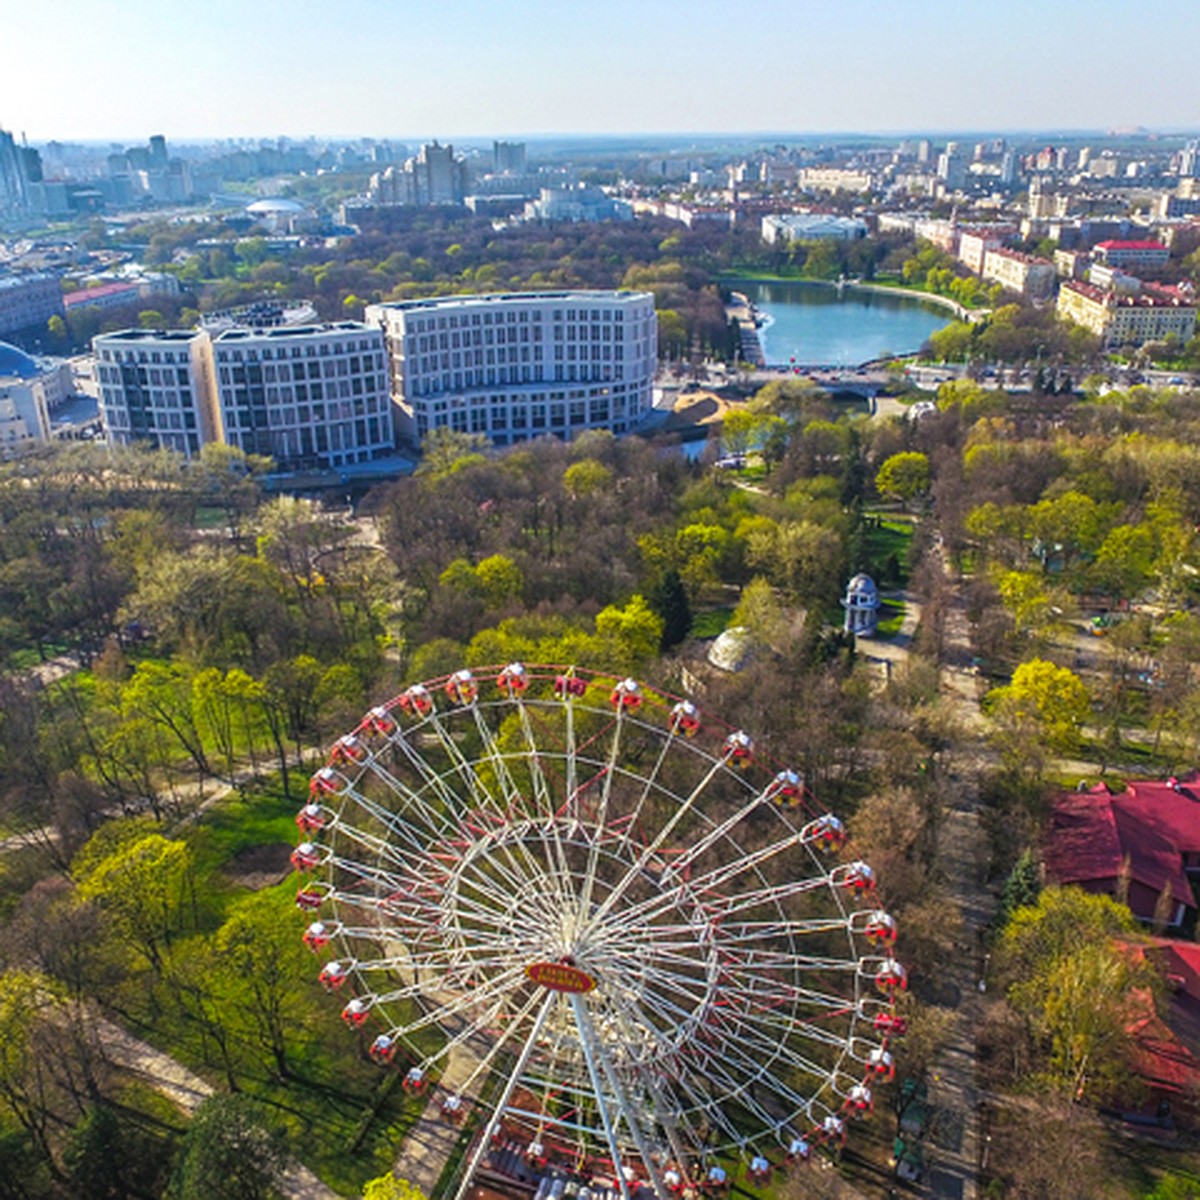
(814, 324)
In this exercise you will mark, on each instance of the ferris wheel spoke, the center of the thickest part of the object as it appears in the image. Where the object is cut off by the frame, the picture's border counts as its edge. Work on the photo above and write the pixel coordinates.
(456, 1006)
(745, 1036)
(650, 783)
(418, 823)
(664, 1111)
(600, 1068)
(489, 1131)
(497, 758)
(481, 796)
(663, 836)
(488, 1020)
(589, 879)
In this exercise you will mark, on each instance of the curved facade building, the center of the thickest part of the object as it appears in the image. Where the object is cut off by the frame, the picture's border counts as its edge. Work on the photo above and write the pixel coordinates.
(515, 366)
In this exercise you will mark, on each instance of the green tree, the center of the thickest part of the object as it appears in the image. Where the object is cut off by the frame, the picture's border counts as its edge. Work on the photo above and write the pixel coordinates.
(1052, 697)
(389, 1187)
(904, 475)
(30, 1009)
(142, 888)
(586, 477)
(500, 580)
(669, 599)
(1125, 561)
(1075, 986)
(263, 960)
(107, 1157)
(636, 630)
(445, 451)
(229, 1153)
(739, 431)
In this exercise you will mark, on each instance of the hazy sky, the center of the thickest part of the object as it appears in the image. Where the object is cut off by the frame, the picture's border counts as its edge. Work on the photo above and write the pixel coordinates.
(123, 69)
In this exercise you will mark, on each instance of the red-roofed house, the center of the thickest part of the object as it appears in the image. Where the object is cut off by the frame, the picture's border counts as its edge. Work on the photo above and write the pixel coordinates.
(1132, 254)
(1163, 1055)
(1140, 844)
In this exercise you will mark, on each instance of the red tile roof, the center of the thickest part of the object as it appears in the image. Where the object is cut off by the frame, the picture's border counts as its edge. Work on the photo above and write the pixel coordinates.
(96, 293)
(1115, 244)
(1150, 825)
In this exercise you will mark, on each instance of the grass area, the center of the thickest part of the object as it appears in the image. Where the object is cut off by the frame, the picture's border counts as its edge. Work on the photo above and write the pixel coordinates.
(344, 1116)
(891, 618)
(888, 542)
(28, 657)
(711, 623)
(208, 517)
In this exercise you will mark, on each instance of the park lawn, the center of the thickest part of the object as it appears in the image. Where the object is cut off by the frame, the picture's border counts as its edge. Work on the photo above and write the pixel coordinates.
(889, 537)
(891, 618)
(711, 623)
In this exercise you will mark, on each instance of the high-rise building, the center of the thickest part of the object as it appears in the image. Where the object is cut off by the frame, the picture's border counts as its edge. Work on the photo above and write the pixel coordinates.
(434, 176)
(158, 387)
(306, 395)
(523, 365)
(508, 158)
(19, 168)
(952, 165)
(1189, 161)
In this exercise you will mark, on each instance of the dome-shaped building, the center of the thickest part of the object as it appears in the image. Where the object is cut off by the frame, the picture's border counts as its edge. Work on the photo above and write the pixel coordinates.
(280, 215)
(862, 606)
(15, 363)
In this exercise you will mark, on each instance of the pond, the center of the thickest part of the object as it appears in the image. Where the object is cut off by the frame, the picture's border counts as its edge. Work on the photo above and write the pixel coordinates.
(817, 325)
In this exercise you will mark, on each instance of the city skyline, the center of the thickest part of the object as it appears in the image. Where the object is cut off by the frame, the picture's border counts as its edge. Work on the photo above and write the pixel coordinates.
(472, 69)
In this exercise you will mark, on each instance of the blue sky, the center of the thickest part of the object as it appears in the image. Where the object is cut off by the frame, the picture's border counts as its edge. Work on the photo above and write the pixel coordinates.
(412, 68)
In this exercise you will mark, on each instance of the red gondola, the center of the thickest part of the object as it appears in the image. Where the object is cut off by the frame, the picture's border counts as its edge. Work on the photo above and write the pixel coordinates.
(355, 1013)
(739, 749)
(514, 679)
(569, 685)
(685, 719)
(317, 935)
(891, 976)
(333, 975)
(349, 750)
(461, 687)
(787, 785)
(383, 1049)
(379, 722)
(311, 818)
(880, 928)
(306, 856)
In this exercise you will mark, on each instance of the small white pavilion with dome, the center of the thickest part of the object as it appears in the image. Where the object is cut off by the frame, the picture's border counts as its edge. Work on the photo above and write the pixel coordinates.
(862, 606)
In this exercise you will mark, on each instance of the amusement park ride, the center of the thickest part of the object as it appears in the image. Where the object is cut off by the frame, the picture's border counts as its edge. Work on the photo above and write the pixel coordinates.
(663, 950)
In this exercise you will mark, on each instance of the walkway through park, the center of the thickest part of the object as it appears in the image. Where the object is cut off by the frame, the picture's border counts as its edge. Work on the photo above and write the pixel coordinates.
(187, 1091)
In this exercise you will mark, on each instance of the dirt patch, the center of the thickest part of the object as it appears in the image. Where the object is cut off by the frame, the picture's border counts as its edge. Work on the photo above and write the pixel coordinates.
(696, 408)
(256, 867)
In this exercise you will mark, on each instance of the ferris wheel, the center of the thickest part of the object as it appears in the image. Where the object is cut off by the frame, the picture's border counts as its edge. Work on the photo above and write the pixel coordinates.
(600, 920)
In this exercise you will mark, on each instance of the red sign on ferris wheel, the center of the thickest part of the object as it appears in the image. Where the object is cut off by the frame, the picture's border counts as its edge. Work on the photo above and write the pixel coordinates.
(560, 977)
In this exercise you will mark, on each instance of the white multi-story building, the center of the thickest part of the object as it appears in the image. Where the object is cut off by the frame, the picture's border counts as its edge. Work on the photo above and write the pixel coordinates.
(157, 386)
(1020, 273)
(1151, 315)
(306, 395)
(799, 227)
(522, 365)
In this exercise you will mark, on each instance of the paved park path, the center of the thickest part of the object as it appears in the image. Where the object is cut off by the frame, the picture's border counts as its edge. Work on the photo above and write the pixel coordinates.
(954, 1094)
(187, 1091)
